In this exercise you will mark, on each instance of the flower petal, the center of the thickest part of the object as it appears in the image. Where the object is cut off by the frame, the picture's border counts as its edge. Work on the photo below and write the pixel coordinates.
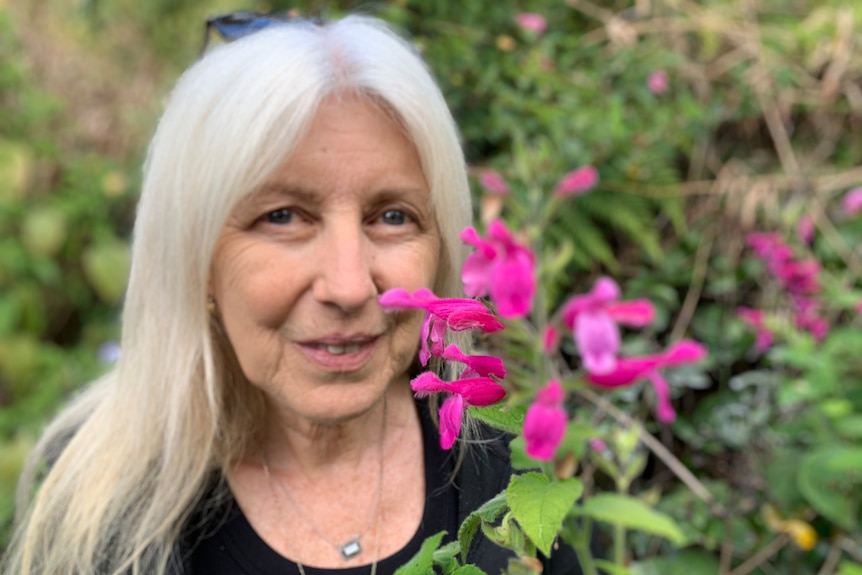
(577, 182)
(400, 298)
(634, 313)
(451, 412)
(427, 383)
(462, 314)
(663, 409)
(683, 351)
(481, 365)
(513, 284)
(493, 182)
(424, 350)
(598, 340)
(545, 423)
(479, 391)
(475, 274)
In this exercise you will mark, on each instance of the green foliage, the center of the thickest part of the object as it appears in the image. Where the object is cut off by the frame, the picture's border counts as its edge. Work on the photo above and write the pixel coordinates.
(539, 505)
(630, 513)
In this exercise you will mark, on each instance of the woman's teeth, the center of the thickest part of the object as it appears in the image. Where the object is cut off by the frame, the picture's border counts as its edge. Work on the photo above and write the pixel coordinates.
(342, 349)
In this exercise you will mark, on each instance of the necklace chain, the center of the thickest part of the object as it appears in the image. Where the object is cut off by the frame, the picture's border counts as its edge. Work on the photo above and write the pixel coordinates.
(352, 547)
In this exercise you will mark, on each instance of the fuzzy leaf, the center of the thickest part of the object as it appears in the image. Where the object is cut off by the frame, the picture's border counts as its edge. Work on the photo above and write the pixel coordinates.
(422, 562)
(630, 513)
(540, 505)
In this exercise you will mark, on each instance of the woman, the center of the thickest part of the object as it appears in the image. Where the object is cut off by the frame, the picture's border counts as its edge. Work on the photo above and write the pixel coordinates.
(260, 418)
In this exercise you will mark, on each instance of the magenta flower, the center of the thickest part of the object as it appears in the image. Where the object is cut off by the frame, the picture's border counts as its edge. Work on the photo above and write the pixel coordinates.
(631, 369)
(501, 268)
(550, 340)
(763, 337)
(657, 82)
(594, 319)
(852, 202)
(494, 183)
(577, 182)
(545, 423)
(478, 391)
(805, 229)
(532, 22)
(457, 314)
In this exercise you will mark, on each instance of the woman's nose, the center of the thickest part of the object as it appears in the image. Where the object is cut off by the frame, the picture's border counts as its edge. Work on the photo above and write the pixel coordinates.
(344, 263)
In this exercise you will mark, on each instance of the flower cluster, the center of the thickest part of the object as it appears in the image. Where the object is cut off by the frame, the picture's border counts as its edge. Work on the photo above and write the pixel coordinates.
(477, 384)
(594, 319)
(503, 269)
(799, 278)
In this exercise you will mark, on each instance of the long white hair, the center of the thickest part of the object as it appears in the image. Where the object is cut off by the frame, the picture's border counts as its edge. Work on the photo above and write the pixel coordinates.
(122, 468)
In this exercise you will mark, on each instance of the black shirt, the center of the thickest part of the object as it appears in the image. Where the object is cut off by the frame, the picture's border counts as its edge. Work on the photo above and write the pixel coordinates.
(234, 548)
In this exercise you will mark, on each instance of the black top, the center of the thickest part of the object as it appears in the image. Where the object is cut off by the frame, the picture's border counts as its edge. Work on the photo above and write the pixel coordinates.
(220, 541)
(235, 548)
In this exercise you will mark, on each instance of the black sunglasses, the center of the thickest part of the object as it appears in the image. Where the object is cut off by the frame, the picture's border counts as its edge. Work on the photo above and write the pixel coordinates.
(237, 25)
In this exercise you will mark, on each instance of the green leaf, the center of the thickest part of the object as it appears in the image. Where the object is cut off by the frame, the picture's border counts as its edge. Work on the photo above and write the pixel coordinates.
(469, 570)
(848, 568)
(540, 505)
(630, 513)
(445, 556)
(501, 416)
(488, 512)
(423, 562)
(829, 478)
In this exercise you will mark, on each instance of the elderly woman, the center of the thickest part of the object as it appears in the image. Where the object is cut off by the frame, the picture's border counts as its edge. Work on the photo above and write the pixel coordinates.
(260, 419)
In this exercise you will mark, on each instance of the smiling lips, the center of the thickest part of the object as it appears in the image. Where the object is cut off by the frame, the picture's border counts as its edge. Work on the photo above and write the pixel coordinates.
(340, 353)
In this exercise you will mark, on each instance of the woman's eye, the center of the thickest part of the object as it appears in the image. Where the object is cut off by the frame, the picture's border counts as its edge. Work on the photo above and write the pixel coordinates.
(394, 217)
(280, 216)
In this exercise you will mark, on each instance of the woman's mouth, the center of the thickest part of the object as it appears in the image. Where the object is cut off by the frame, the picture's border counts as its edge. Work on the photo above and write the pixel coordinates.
(340, 349)
(349, 354)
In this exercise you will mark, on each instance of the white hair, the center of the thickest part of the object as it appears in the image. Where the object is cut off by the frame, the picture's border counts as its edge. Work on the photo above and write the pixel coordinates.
(130, 459)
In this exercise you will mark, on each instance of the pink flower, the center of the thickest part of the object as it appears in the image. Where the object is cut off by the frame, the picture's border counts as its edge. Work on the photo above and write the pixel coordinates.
(594, 319)
(859, 308)
(631, 369)
(457, 314)
(763, 337)
(805, 229)
(577, 182)
(531, 21)
(478, 391)
(500, 267)
(657, 82)
(550, 339)
(494, 183)
(545, 423)
(852, 202)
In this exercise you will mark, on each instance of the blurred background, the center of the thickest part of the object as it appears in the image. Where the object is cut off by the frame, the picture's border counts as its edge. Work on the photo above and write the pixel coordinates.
(707, 120)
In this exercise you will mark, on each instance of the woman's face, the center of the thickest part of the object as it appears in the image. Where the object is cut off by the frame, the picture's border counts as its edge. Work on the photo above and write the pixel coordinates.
(300, 263)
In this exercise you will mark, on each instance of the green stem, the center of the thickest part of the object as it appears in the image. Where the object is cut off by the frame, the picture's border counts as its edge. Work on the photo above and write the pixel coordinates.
(620, 545)
(581, 543)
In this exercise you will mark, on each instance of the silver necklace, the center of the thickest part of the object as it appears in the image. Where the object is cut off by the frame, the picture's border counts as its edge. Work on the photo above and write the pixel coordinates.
(352, 547)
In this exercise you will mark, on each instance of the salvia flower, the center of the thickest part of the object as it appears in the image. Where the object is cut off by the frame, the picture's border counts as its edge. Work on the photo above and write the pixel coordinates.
(457, 314)
(494, 183)
(577, 182)
(805, 229)
(594, 319)
(532, 22)
(657, 82)
(500, 268)
(763, 337)
(851, 203)
(545, 422)
(629, 370)
(478, 391)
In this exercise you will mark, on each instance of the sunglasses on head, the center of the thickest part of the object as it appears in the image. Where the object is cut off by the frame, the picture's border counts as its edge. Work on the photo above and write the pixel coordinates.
(237, 25)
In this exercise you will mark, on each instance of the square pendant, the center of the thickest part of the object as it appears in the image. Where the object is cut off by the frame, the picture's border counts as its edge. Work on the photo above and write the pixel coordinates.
(350, 549)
